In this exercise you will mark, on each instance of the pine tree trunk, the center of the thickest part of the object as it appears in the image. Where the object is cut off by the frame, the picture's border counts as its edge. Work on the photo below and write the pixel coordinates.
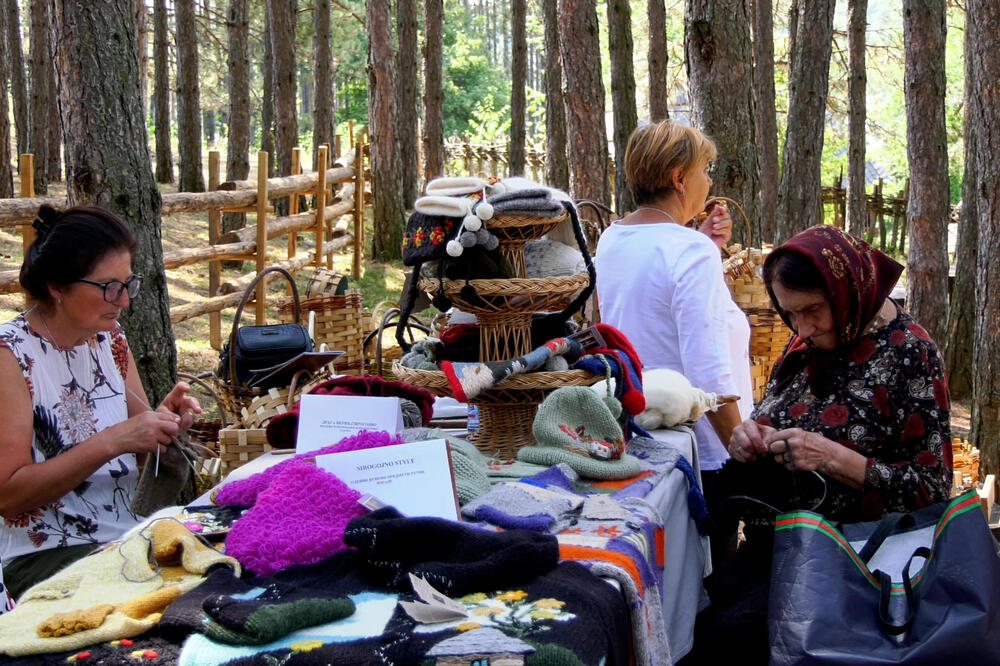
(985, 54)
(161, 91)
(766, 124)
(267, 95)
(389, 211)
(624, 114)
(857, 85)
(108, 162)
(142, 26)
(656, 57)
(927, 155)
(718, 61)
(42, 96)
(556, 166)
(518, 83)
(238, 139)
(408, 102)
(282, 16)
(433, 90)
(18, 88)
(960, 344)
(6, 175)
(323, 126)
(53, 165)
(799, 202)
(584, 99)
(191, 178)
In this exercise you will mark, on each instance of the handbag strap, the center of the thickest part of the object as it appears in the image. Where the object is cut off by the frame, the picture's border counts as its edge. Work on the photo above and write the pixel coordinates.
(888, 525)
(885, 596)
(246, 298)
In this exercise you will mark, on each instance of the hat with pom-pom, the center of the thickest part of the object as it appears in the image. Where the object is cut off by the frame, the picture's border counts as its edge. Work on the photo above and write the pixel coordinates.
(576, 426)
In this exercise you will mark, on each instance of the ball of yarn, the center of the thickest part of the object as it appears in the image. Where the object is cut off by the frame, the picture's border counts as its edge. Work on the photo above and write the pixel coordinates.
(453, 248)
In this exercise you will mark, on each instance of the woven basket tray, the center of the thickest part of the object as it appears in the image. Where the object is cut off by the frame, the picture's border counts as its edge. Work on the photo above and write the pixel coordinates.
(339, 323)
(506, 411)
(514, 231)
(238, 446)
(515, 295)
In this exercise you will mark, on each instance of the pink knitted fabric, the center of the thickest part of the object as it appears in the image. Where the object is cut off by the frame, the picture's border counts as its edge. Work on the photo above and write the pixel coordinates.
(298, 519)
(245, 491)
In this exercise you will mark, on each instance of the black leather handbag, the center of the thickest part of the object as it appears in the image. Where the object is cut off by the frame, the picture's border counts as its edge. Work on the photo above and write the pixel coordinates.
(260, 348)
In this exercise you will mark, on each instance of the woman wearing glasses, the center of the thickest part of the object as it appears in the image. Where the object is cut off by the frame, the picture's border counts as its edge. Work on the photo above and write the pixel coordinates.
(76, 425)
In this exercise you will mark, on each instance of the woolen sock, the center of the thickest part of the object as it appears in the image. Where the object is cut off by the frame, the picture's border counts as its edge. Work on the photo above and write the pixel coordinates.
(456, 558)
(255, 622)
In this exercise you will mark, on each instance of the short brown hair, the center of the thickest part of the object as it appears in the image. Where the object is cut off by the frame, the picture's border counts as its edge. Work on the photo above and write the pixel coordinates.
(656, 150)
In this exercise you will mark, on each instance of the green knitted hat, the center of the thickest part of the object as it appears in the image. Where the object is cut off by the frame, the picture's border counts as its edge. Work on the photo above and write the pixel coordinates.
(575, 426)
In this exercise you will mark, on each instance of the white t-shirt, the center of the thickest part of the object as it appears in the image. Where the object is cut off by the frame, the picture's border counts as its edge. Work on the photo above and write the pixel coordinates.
(662, 286)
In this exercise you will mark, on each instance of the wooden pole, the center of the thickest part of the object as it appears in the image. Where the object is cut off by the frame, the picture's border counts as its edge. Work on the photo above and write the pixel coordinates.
(321, 158)
(350, 130)
(359, 209)
(336, 146)
(262, 161)
(214, 267)
(27, 191)
(293, 205)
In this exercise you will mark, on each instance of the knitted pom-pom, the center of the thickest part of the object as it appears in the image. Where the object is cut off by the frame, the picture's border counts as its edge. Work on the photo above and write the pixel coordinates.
(484, 211)
(471, 222)
(453, 248)
(441, 302)
(483, 236)
(467, 239)
(491, 243)
(469, 293)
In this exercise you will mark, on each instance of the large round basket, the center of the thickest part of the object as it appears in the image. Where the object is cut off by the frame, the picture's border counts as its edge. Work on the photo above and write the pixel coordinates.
(514, 231)
(506, 411)
(504, 308)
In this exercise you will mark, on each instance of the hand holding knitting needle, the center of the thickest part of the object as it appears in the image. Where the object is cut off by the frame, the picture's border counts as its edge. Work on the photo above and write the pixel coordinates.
(181, 405)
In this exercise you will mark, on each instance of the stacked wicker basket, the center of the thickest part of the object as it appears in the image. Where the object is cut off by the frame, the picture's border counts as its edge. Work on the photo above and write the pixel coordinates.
(504, 310)
(768, 333)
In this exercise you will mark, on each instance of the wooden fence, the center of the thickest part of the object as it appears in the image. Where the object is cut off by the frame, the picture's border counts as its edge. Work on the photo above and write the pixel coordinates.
(886, 214)
(249, 243)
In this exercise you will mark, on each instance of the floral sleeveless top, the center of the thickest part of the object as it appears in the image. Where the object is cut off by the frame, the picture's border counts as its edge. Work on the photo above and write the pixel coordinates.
(74, 395)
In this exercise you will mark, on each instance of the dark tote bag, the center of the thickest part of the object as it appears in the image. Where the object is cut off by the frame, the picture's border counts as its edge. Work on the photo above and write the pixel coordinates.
(915, 588)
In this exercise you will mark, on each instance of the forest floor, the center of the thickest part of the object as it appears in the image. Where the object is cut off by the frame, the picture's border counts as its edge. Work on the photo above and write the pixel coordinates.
(380, 282)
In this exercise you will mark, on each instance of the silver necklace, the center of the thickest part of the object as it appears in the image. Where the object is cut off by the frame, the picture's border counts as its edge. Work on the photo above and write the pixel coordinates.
(670, 218)
(48, 331)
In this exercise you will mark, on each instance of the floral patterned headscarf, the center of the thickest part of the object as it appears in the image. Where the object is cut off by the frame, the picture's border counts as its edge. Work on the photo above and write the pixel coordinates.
(858, 278)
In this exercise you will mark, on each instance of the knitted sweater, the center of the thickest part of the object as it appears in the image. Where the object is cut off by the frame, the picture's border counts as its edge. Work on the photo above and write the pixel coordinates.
(111, 594)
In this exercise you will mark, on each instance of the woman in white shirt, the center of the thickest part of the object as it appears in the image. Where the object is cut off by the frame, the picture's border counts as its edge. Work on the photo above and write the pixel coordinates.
(661, 283)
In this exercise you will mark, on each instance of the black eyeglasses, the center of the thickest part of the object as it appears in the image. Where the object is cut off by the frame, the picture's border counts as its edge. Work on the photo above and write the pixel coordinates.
(113, 289)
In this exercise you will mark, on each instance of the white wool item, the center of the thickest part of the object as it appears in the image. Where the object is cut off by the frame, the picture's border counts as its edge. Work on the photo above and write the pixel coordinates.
(454, 186)
(514, 183)
(670, 399)
(444, 206)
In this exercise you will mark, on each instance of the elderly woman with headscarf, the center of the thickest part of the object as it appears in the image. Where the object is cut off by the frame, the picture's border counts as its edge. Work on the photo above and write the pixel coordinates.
(854, 422)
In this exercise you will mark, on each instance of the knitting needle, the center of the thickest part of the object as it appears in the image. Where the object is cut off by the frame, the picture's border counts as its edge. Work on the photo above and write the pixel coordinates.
(176, 442)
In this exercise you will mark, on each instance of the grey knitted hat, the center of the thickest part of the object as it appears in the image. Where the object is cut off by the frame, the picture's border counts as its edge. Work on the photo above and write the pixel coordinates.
(575, 426)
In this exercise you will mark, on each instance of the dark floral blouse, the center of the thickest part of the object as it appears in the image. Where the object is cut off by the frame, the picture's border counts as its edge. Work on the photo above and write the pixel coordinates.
(889, 403)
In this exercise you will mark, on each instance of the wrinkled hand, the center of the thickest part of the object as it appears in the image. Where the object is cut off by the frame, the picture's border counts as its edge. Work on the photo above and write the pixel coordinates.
(146, 432)
(749, 441)
(799, 450)
(718, 225)
(179, 403)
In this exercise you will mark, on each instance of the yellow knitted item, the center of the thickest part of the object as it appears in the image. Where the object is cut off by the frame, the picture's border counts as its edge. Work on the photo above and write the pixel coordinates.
(64, 624)
(120, 576)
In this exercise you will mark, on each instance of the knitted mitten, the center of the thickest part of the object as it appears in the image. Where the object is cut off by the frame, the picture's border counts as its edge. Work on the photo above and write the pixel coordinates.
(522, 506)
(255, 622)
(456, 559)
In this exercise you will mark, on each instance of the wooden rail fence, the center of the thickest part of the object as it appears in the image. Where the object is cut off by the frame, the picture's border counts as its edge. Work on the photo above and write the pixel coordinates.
(248, 243)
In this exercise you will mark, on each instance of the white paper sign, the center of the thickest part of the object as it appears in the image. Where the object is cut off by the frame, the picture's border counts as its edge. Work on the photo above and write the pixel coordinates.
(327, 419)
(415, 478)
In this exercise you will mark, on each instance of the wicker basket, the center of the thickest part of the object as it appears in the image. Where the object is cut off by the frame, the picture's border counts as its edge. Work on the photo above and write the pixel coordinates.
(514, 231)
(506, 411)
(339, 323)
(379, 358)
(238, 446)
(768, 333)
(325, 282)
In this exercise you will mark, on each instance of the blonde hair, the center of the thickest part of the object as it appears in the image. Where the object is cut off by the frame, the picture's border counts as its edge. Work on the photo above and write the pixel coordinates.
(656, 151)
